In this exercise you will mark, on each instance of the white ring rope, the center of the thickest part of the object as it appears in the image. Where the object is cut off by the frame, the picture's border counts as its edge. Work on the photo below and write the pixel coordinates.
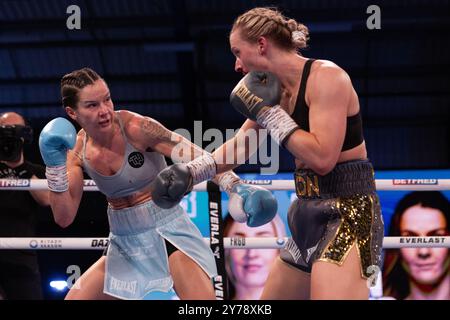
(229, 243)
(381, 184)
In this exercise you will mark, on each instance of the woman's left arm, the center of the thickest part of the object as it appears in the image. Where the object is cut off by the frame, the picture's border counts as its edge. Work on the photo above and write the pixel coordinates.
(329, 96)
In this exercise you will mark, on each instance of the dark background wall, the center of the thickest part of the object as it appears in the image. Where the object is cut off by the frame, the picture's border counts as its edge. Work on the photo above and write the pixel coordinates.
(171, 60)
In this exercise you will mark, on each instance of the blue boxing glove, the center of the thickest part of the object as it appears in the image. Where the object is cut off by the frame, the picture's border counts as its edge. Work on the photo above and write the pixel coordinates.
(55, 139)
(252, 204)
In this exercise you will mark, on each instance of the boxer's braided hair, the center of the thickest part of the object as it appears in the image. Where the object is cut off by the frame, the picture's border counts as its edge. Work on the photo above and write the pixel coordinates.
(271, 23)
(73, 82)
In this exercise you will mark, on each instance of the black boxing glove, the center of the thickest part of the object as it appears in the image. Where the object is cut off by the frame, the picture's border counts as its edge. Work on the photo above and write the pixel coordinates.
(170, 185)
(257, 97)
(255, 91)
(175, 181)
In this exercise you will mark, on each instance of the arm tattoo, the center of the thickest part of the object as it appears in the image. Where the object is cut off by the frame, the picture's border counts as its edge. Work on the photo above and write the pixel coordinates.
(154, 131)
(182, 150)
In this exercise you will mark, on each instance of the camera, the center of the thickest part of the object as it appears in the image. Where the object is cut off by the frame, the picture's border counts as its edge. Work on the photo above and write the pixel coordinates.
(12, 139)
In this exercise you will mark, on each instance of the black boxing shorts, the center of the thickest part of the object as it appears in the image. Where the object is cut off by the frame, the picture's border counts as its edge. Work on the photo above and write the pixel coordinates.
(331, 214)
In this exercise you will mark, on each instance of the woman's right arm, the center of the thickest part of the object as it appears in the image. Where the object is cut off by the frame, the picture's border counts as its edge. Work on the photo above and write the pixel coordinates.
(63, 168)
(65, 204)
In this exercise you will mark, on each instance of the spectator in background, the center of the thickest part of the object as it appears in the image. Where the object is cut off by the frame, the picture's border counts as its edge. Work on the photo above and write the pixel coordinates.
(19, 270)
(248, 269)
(419, 273)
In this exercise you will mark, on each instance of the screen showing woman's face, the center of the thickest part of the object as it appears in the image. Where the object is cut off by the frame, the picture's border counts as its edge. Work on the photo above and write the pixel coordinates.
(251, 266)
(425, 265)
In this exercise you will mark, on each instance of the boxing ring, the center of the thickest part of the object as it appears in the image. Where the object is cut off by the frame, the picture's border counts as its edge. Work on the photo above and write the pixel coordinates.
(229, 243)
(99, 243)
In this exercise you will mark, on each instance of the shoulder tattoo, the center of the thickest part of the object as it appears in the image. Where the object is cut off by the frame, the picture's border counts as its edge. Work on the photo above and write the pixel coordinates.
(155, 131)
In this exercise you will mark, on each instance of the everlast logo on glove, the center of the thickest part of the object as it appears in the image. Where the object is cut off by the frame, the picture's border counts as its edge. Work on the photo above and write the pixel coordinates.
(255, 91)
(247, 97)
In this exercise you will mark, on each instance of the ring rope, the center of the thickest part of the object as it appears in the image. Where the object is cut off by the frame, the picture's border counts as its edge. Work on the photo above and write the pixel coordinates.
(229, 243)
(278, 185)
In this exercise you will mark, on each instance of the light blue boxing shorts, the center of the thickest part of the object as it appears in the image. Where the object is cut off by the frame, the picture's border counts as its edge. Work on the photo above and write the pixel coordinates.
(137, 261)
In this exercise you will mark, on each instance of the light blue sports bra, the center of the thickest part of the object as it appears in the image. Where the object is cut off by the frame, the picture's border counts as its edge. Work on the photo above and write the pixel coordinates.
(137, 172)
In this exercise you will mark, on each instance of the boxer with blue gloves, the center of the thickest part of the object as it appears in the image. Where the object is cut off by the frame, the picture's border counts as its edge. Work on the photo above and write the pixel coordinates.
(251, 204)
(55, 139)
(123, 152)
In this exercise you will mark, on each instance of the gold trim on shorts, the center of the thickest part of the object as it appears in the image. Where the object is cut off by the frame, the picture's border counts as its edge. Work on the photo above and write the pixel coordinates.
(357, 216)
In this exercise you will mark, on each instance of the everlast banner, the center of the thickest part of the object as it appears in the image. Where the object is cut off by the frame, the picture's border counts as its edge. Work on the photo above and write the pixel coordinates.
(216, 239)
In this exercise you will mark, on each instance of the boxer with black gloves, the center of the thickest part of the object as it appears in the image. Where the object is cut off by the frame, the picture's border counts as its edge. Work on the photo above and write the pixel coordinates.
(310, 108)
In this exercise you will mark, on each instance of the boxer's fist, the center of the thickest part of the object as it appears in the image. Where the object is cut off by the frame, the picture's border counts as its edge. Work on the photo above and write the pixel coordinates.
(252, 204)
(255, 91)
(56, 137)
(170, 185)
